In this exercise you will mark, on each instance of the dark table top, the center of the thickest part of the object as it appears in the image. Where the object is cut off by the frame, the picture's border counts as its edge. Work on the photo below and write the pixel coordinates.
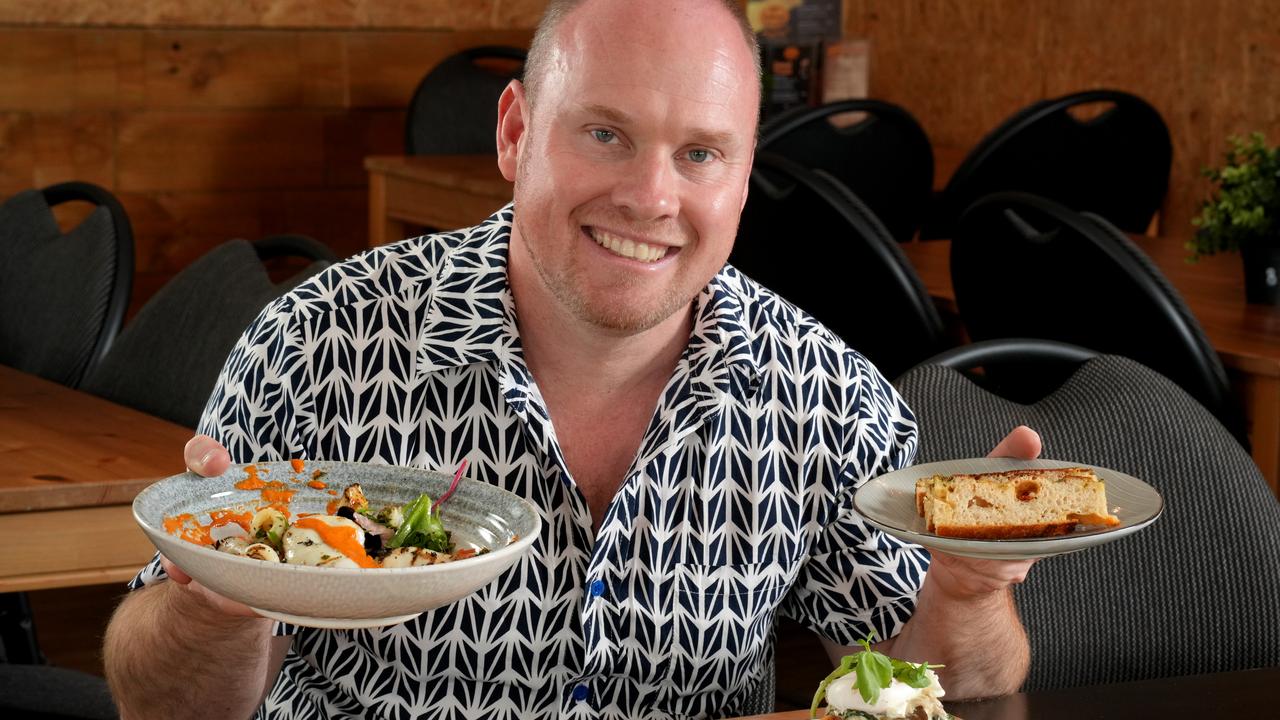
(1243, 694)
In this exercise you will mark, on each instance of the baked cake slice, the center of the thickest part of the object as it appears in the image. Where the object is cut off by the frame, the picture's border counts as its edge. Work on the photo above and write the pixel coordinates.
(1013, 504)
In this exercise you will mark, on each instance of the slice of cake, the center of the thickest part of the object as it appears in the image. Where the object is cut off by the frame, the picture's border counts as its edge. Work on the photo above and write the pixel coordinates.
(1013, 504)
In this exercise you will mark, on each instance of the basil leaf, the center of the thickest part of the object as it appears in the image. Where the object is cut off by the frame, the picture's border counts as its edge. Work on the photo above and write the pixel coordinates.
(875, 672)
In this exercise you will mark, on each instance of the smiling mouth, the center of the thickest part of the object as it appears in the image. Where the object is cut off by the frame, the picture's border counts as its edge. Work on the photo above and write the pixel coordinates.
(628, 248)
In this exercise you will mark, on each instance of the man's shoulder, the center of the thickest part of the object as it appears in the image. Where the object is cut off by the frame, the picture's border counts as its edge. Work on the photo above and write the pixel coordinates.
(769, 319)
(407, 270)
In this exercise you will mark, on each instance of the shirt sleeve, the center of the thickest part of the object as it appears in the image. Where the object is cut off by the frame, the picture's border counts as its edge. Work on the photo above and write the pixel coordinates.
(858, 580)
(254, 407)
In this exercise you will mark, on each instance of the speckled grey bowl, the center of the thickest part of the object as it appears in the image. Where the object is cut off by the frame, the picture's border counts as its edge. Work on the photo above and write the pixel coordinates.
(479, 515)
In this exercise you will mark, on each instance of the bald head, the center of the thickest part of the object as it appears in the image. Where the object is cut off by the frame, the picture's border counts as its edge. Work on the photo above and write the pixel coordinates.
(542, 49)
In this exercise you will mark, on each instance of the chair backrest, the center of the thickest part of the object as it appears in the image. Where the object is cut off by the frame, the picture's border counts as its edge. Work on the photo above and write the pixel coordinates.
(884, 157)
(167, 359)
(1193, 593)
(1115, 164)
(455, 107)
(1021, 369)
(809, 239)
(1024, 266)
(78, 282)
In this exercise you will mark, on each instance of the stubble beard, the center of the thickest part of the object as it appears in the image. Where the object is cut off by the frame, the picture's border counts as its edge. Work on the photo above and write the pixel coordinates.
(618, 317)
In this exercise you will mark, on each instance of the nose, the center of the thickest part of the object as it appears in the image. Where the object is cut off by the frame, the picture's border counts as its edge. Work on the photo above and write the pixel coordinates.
(646, 188)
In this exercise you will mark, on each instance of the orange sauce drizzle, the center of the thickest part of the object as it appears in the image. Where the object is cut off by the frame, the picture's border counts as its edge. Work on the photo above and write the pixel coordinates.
(316, 484)
(332, 507)
(222, 517)
(276, 492)
(297, 465)
(342, 539)
(253, 482)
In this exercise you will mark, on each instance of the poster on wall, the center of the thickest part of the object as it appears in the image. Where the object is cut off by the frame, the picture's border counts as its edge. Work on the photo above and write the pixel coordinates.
(804, 58)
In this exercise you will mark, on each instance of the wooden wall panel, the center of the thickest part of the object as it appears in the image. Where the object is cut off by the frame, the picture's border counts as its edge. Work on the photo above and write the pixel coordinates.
(167, 150)
(1211, 67)
(385, 67)
(330, 14)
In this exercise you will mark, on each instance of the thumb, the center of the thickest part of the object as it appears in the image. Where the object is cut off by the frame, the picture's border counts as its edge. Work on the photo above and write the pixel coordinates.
(1022, 443)
(204, 456)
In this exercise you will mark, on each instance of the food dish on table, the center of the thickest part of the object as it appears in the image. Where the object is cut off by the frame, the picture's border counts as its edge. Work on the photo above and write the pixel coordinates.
(869, 685)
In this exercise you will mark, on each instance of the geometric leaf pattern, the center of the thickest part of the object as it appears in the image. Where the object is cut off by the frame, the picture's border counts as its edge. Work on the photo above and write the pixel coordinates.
(738, 505)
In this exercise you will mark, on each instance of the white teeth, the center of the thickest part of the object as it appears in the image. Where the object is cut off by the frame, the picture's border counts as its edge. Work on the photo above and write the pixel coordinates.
(627, 247)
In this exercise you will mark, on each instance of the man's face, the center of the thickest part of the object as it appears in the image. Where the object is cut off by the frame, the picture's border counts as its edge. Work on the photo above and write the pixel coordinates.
(633, 166)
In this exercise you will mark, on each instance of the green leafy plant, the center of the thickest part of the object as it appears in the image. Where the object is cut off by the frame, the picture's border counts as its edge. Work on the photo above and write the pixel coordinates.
(1245, 206)
(875, 671)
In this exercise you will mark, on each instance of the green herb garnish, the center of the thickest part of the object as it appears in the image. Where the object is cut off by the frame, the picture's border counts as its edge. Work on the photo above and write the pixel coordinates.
(875, 671)
(421, 527)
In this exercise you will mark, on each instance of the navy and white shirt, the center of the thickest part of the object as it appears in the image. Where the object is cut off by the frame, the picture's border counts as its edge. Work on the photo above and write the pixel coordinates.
(737, 507)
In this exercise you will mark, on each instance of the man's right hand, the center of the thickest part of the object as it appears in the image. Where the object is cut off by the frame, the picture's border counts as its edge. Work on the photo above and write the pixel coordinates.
(204, 456)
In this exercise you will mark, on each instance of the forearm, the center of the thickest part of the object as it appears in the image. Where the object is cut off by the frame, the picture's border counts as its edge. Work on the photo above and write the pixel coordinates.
(169, 653)
(979, 638)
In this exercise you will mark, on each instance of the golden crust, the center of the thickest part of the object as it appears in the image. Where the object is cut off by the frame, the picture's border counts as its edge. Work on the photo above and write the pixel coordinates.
(1028, 503)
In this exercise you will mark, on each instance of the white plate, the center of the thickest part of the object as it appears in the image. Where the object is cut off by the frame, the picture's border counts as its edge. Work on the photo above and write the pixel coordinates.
(889, 503)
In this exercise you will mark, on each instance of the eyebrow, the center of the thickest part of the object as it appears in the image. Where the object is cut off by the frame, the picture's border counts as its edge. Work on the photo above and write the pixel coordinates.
(701, 136)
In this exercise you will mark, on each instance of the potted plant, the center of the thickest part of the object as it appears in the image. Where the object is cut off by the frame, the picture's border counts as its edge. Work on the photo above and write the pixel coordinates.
(1244, 214)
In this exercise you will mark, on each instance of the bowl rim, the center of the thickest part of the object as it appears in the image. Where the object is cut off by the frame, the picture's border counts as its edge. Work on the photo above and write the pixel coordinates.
(495, 555)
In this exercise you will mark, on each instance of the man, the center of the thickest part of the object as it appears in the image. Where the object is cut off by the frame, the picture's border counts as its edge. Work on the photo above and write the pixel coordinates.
(691, 440)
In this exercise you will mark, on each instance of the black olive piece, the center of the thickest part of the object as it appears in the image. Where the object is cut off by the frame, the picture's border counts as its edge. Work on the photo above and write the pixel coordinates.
(372, 543)
(346, 512)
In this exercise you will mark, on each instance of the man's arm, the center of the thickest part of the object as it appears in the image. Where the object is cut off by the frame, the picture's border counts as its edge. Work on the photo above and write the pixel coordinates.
(177, 649)
(169, 652)
(965, 617)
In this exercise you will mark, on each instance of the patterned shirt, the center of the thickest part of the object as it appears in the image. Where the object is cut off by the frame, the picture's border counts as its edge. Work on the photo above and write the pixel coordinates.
(738, 505)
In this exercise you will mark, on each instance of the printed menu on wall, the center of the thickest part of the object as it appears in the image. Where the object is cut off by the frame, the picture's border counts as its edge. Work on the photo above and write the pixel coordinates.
(804, 58)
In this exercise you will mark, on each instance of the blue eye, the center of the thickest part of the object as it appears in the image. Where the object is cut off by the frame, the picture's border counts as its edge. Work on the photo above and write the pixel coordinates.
(699, 156)
(604, 136)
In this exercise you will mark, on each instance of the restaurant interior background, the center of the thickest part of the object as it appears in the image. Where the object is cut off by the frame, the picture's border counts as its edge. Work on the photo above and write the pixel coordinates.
(213, 120)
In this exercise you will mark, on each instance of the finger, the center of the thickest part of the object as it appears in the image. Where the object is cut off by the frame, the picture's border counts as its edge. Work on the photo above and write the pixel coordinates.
(204, 456)
(174, 572)
(1023, 443)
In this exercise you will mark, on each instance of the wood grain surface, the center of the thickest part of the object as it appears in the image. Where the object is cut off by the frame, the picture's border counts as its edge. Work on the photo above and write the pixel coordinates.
(61, 448)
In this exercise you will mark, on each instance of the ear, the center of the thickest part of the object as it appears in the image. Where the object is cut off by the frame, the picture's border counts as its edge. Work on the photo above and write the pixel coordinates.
(513, 120)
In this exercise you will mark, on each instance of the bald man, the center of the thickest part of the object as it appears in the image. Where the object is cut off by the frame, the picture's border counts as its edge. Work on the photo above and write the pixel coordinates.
(691, 440)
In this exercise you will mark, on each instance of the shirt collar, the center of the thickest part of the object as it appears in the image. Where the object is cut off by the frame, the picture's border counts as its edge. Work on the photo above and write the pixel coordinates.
(472, 319)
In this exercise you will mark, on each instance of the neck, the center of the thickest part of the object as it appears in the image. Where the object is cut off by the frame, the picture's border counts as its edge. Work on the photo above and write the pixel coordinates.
(569, 356)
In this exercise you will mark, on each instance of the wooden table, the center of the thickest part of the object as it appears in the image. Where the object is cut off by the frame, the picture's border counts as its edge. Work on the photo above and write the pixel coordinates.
(445, 192)
(70, 465)
(1243, 694)
(1247, 337)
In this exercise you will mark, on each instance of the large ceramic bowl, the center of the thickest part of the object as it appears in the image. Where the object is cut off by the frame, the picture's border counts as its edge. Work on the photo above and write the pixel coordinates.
(478, 515)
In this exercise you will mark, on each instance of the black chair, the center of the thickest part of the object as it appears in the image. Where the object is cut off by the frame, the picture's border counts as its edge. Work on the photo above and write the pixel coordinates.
(1193, 593)
(1024, 266)
(884, 158)
(1115, 164)
(78, 282)
(167, 359)
(809, 239)
(455, 107)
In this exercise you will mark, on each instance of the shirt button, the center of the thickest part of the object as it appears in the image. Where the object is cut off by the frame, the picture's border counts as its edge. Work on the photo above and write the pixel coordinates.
(597, 588)
(581, 692)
